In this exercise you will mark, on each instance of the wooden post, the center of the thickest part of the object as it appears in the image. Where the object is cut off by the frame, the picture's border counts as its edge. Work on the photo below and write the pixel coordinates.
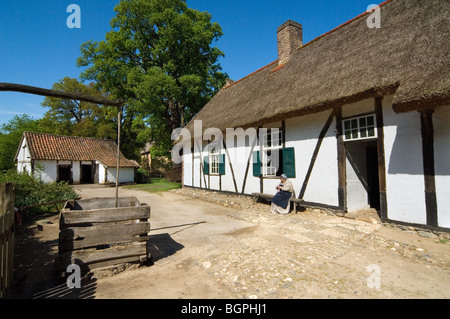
(381, 157)
(426, 120)
(119, 119)
(261, 179)
(192, 170)
(342, 188)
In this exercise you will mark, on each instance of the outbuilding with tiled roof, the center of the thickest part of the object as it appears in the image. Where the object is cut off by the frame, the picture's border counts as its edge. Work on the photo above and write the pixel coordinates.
(56, 158)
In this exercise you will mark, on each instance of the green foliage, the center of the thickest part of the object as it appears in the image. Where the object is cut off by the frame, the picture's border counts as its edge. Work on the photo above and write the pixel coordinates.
(31, 191)
(78, 118)
(11, 135)
(143, 176)
(159, 57)
(156, 185)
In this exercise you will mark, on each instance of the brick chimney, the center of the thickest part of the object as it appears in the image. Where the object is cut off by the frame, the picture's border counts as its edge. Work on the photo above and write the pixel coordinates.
(289, 38)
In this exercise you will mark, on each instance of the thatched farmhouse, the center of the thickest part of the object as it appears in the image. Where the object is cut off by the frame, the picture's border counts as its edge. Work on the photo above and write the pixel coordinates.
(357, 118)
(77, 160)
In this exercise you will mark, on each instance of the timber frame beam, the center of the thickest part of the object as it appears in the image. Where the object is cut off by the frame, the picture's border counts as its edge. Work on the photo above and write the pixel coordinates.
(426, 120)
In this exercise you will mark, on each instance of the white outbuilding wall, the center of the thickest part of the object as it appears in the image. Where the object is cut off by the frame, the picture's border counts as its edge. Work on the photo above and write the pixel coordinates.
(24, 158)
(108, 174)
(49, 170)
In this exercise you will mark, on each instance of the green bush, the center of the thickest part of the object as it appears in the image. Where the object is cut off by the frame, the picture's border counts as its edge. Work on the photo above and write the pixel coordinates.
(31, 191)
(143, 176)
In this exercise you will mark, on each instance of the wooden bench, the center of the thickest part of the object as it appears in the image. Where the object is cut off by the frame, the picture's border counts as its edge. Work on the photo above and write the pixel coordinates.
(293, 200)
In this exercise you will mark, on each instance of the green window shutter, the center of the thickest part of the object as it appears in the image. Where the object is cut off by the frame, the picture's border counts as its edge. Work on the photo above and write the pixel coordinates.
(289, 162)
(222, 165)
(256, 164)
(206, 165)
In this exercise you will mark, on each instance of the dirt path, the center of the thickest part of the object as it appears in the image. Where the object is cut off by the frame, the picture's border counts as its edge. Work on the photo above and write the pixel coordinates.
(211, 245)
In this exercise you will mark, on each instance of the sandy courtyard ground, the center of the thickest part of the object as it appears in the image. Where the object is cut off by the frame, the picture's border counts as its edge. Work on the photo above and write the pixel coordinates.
(208, 245)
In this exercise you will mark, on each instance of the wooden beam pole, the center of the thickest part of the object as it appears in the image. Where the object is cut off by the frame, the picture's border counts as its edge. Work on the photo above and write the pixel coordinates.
(381, 157)
(426, 119)
(341, 159)
(58, 94)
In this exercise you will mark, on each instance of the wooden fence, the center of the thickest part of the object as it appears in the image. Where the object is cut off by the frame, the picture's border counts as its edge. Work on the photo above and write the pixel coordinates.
(94, 235)
(6, 237)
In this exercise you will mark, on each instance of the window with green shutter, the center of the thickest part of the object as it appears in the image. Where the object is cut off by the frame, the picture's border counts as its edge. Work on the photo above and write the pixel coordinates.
(222, 164)
(206, 165)
(289, 162)
(287, 158)
(256, 164)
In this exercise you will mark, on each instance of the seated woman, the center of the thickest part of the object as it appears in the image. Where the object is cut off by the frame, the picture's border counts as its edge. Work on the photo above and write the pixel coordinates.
(280, 202)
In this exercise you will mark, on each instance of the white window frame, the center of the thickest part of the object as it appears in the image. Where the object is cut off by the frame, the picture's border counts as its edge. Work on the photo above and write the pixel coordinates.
(362, 128)
(214, 156)
(267, 145)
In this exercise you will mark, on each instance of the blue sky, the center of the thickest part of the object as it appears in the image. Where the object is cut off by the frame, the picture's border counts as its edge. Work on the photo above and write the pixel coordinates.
(37, 48)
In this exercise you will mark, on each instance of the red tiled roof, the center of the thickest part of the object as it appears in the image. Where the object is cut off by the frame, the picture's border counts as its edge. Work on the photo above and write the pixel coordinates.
(73, 148)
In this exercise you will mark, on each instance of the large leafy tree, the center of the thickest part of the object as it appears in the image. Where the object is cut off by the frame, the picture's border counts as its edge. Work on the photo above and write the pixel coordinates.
(159, 57)
(71, 117)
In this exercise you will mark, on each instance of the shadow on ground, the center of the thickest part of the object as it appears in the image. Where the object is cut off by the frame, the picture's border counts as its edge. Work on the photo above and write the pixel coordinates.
(162, 245)
(34, 260)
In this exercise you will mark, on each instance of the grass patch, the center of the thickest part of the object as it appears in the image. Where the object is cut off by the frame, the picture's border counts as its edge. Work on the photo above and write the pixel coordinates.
(156, 185)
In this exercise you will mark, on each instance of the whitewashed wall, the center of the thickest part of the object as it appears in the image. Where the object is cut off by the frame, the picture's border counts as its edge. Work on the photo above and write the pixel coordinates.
(403, 159)
(76, 172)
(108, 175)
(187, 169)
(441, 124)
(126, 174)
(302, 133)
(404, 166)
(49, 171)
(101, 172)
(24, 158)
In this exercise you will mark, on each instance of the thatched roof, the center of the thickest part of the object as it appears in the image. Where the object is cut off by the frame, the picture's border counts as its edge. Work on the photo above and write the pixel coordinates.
(407, 56)
(73, 148)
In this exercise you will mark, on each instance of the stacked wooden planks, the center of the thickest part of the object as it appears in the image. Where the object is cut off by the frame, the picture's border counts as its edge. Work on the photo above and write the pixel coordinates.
(94, 233)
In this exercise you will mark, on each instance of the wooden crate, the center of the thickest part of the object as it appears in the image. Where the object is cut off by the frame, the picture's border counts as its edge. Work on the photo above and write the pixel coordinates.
(94, 233)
